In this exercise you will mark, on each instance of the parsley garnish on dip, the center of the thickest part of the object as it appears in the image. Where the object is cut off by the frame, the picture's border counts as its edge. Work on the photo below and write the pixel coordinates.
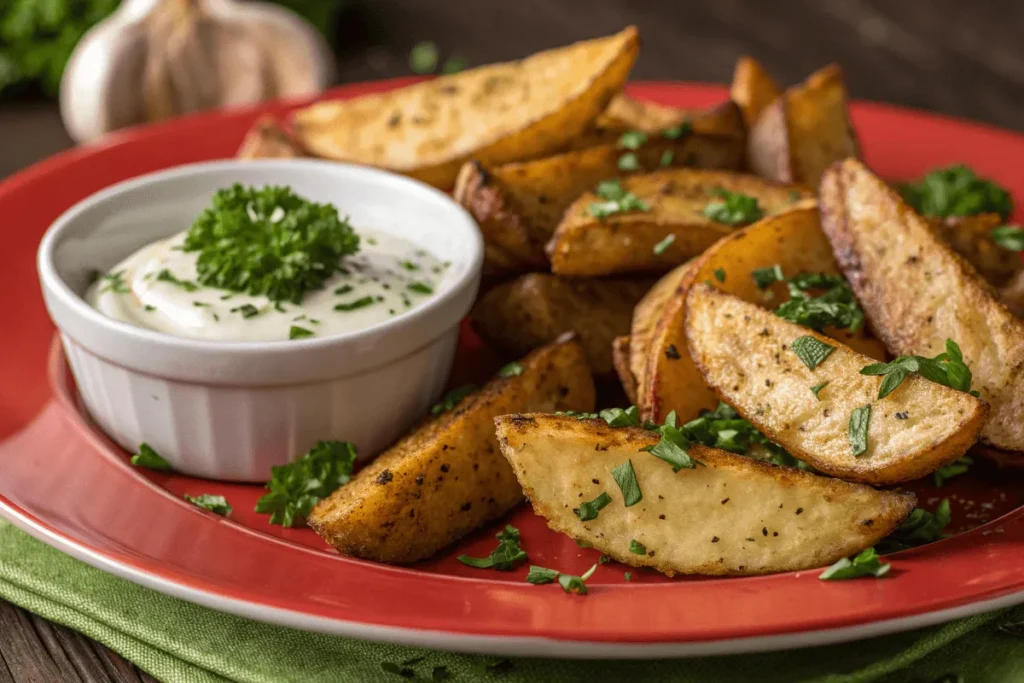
(259, 258)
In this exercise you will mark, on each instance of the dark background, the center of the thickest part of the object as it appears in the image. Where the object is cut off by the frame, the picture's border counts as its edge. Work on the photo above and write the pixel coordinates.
(955, 57)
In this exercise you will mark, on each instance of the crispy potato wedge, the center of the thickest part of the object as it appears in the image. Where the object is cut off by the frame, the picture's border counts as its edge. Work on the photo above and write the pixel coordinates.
(794, 241)
(533, 310)
(970, 236)
(497, 113)
(620, 359)
(266, 140)
(752, 89)
(518, 206)
(584, 245)
(448, 477)
(646, 316)
(796, 137)
(917, 292)
(624, 113)
(745, 354)
(733, 515)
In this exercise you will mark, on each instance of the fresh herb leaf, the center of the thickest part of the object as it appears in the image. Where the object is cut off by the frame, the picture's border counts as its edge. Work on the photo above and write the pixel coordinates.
(149, 458)
(452, 399)
(296, 332)
(423, 57)
(735, 208)
(540, 575)
(454, 65)
(817, 389)
(610, 189)
(666, 158)
(676, 132)
(835, 307)
(217, 504)
(268, 242)
(764, 277)
(344, 289)
(420, 287)
(617, 200)
(662, 246)
(921, 528)
(632, 139)
(957, 191)
(951, 470)
(358, 303)
(629, 162)
(114, 282)
(947, 369)
(296, 487)
(637, 548)
(511, 370)
(720, 274)
(811, 350)
(628, 576)
(625, 477)
(246, 310)
(502, 558)
(576, 584)
(859, 419)
(673, 448)
(588, 510)
(167, 276)
(1009, 237)
(866, 563)
(619, 417)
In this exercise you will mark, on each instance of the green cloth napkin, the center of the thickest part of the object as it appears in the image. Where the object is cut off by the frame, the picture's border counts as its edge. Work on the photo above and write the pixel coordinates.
(177, 641)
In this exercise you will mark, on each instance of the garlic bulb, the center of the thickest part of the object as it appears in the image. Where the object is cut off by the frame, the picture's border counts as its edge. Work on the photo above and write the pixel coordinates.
(154, 59)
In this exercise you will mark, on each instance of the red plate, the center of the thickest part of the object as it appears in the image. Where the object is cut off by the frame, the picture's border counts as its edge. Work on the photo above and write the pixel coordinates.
(64, 482)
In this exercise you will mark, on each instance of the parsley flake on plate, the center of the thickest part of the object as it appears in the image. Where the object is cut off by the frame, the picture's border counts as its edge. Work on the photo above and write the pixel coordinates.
(452, 399)
(502, 558)
(217, 504)
(296, 487)
(865, 563)
(954, 469)
(541, 575)
(733, 208)
(811, 351)
(957, 191)
(576, 584)
(149, 458)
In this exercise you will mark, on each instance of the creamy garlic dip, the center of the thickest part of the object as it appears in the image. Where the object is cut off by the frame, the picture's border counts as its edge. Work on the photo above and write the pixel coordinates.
(156, 288)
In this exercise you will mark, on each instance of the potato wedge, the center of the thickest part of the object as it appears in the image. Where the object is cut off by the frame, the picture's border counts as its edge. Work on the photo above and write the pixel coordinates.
(794, 241)
(752, 89)
(620, 360)
(970, 236)
(917, 292)
(448, 477)
(497, 113)
(646, 316)
(624, 114)
(584, 245)
(266, 140)
(533, 310)
(734, 515)
(796, 137)
(745, 354)
(518, 206)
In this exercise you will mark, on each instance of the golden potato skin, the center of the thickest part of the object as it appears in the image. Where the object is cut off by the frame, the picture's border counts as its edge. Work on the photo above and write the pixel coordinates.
(587, 246)
(745, 354)
(533, 310)
(624, 114)
(646, 317)
(731, 516)
(620, 359)
(447, 477)
(752, 89)
(917, 292)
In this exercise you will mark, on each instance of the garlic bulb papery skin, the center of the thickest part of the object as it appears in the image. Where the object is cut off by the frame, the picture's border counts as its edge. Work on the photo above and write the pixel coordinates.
(154, 59)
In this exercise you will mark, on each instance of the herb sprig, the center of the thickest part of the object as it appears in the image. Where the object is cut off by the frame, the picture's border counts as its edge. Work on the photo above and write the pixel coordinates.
(946, 368)
(295, 488)
(865, 563)
(734, 208)
(617, 200)
(957, 191)
(1010, 237)
(149, 458)
(504, 557)
(920, 528)
(835, 307)
(206, 501)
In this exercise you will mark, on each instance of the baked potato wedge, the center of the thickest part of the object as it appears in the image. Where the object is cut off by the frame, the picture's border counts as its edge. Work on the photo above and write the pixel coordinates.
(626, 114)
(971, 237)
(620, 360)
(731, 515)
(624, 242)
(917, 292)
(797, 136)
(794, 242)
(266, 140)
(447, 477)
(496, 114)
(532, 310)
(747, 355)
(519, 205)
(752, 89)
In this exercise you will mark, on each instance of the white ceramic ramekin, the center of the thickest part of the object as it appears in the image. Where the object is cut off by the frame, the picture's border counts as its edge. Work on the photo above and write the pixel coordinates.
(232, 410)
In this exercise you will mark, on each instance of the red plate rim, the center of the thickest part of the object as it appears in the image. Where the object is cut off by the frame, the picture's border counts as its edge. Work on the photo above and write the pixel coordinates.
(969, 573)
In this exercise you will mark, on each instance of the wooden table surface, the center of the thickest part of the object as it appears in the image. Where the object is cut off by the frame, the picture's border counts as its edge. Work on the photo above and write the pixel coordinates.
(959, 58)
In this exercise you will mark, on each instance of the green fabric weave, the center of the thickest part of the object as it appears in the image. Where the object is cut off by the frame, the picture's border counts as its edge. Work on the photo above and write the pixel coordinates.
(177, 641)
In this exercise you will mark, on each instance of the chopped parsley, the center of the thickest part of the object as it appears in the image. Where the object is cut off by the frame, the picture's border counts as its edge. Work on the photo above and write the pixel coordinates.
(217, 504)
(764, 277)
(409, 265)
(946, 368)
(269, 242)
(836, 307)
(632, 139)
(957, 191)
(954, 469)
(673, 447)
(344, 289)
(1009, 237)
(637, 548)
(149, 307)
(114, 282)
(576, 584)
(420, 287)
(617, 200)
(357, 304)
(676, 132)
(922, 527)
(541, 575)
(149, 458)
(625, 477)
(662, 246)
(858, 428)
(424, 57)
(511, 370)
(167, 276)
(296, 487)
(720, 274)
(246, 310)
(502, 558)
(666, 158)
(865, 563)
(811, 350)
(628, 576)
(817, 389)
(734, 208)
(296, 332)
(621, 417)
(588, 511)
(629, 162)
(452, 399)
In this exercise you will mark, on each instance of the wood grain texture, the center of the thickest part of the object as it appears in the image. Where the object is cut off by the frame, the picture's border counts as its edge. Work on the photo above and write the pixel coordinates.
(958, 58)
